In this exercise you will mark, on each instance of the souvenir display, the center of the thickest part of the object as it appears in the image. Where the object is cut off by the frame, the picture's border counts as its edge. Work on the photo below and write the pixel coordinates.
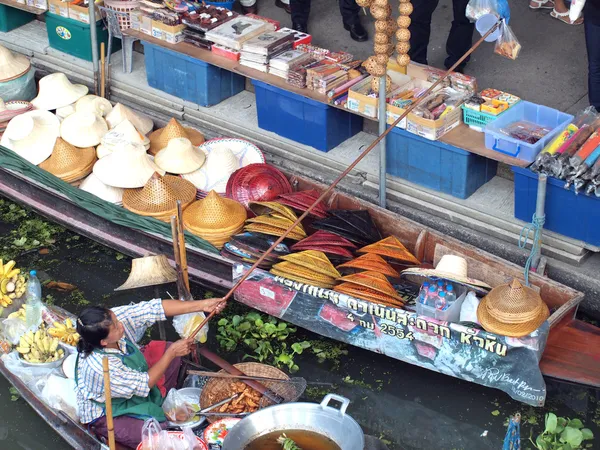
(372, 280)
(93, 185)
(392, 248)
(271, 208)
(12, 65)
(310, 267)
(160, 138)
(206, 17)
(32, 135)
(235, 32)
(121, 135)
(325, 238)
(248, 247)
(94, 104)
(83, 129)
(258, 51)
(440, 103)
(280, 64)
(370, 262)
(69, 163)
(179, 157)
(121, 112)
(355, 225)
(257, 182)
(56, 91)
(525, 131)
(275, 224)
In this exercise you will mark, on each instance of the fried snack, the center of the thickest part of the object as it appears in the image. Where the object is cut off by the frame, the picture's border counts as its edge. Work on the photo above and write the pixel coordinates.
(247, 401)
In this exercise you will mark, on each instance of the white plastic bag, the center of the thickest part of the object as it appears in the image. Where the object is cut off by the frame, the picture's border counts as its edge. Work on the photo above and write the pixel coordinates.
(189, 438)
(176, 408)
(468, 310)
(187, 323)
(13, 329)
(151, 435)
(29, 375)
(59, 393)
(477, 8)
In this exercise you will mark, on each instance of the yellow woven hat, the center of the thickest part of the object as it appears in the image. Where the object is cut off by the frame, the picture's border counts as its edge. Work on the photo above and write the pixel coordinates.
(313, 260)
(512, 310)
(180, 156)
(12, 65)
(83, 129)
(57, 91)
(121, 112)
(69, 163)
(160, 138)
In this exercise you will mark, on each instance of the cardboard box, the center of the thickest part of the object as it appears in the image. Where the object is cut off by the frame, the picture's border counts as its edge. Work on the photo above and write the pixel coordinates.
(456, 80)
(146, 24)
(393, 112)
(167, 33)
(59, 8)
(360, 102)
(434, 129)
(81, 13)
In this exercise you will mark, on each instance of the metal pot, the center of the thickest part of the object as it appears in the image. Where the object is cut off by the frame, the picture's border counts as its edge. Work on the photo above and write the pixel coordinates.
(323, 419)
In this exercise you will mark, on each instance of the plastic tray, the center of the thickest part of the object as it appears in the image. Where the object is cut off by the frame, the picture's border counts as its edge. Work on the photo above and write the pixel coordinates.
(478, 119)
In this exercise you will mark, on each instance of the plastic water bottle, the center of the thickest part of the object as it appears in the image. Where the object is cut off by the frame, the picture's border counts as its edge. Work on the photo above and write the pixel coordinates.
(441, 302)
(432, 295)
(423, 293)
(33, 307)
(450, 294)
(440, 285)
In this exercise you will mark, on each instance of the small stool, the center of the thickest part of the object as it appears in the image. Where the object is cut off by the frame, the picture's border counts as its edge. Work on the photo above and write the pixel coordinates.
(111, 17)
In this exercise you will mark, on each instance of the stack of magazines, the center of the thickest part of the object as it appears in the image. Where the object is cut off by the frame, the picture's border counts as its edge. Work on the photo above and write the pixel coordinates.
(233, 33)
(280, 65)
(257, 52)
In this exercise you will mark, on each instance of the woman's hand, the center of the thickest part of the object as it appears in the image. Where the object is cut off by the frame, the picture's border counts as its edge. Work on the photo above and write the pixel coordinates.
(216, 304)
(181, 347)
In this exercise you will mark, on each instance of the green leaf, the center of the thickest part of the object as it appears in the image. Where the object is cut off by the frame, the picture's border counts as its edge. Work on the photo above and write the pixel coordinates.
(223, 322)
(244, 326)
(567, 446)
(284, 358)
(236, 320)
(294, 368)
(576, 423)
(587, 434)
(282, 326)
(541, 444)
(305, 344)
(572, 436)
(551, 421)
(297, 347)
(495, 413)
(259, 323)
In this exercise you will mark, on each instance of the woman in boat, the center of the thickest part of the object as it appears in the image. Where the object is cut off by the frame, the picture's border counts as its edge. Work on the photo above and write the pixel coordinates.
(137, 389)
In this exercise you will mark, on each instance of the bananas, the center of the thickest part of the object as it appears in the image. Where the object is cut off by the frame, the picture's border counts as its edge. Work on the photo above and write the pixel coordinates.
(20, 314)
(12, 283)
(65, 332)
(39, 347)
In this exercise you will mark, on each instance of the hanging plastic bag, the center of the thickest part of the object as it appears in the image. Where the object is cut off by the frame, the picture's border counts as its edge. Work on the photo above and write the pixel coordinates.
(187, 323)
(477, 8)
(151, 435)
(507, 44)
(59, 393)
(189, 438)
(176, 407)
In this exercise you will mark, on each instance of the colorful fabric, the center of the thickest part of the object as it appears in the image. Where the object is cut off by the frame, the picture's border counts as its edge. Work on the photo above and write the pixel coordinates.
(153, 352)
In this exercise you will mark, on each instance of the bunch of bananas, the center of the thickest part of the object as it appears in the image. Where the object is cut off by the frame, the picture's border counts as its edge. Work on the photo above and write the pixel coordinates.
(66, 332)
(19, 314)
(12, 283)
(39, 348)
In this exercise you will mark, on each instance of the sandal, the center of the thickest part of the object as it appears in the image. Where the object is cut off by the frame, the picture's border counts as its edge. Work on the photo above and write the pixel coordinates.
(541, 4)
(564, 17)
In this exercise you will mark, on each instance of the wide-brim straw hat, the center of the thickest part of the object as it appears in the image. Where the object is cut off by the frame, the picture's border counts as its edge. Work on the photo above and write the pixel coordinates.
(94, 104)
(12, 65)
(69, 163)
(120, 136)
(149, 271)
(57, 91)
(160, 138)
(129, 168)
(32, 135)
(512, 310)
(121, 112)
(158, 198)
(83, 129)
(93, 185)
(65, 111)
(180, 157)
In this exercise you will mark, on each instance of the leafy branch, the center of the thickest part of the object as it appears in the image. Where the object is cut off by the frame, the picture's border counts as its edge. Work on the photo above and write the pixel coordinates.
(562, 434)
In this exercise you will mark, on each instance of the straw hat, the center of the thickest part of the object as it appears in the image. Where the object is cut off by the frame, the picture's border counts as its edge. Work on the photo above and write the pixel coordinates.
(83, 129)
(180, 156)
(93, 185)
(69, 163)
(121, 112)
(512, 310)
(129, 168)
(149, 271)
(120, 136)
(12, 65)
(158, 198)
(65, 111)
(12, 109)
(57, 91)
(160, 138)
(32, 135)
(95, 104)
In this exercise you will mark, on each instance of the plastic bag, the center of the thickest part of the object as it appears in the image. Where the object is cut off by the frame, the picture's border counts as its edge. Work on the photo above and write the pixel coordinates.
(468, 310)
(151, 434)
(59, 393)
(507, 44)
(189, 438)
(33, 377)
(13, 329)
(176, 407)
(575, 9)
(477, 8)
(187, 323)
(178, 441)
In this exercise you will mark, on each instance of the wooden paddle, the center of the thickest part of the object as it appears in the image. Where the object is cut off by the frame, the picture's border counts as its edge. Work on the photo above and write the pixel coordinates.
(108, 399)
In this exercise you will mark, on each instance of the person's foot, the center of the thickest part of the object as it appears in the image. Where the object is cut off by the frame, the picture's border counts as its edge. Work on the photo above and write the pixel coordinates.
(249, 9)
(541, 4)
(564, 17)
(302, 28)
(285, 6)
(357, 32)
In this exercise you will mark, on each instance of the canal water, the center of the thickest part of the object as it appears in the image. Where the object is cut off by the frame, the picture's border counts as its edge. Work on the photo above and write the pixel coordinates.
(405, 406)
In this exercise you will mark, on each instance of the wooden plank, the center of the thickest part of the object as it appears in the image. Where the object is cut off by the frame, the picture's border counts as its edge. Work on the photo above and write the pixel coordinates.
(22, 7)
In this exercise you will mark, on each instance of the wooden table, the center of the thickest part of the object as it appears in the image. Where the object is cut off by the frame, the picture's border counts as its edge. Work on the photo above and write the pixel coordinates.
(23, 7)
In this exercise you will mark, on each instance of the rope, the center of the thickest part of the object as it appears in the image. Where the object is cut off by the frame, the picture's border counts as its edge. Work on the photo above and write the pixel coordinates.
(535, 228)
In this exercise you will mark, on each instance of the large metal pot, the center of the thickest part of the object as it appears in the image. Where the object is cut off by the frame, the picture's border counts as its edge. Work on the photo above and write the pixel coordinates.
(323, 419)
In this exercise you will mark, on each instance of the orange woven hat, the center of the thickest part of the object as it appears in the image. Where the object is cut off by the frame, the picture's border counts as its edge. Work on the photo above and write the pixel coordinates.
(273, 231)
(158, 198)
(302, 275)
(372, 263)
(512, 310)
(313, 260)
(160, 138)
(68, 162)
(392, 248)
(374, 281)
(365, 293)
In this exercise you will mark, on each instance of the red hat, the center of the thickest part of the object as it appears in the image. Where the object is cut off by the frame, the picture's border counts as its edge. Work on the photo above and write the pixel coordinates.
(257, 182)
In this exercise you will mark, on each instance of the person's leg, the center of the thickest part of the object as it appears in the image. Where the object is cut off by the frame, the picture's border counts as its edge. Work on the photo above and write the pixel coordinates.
(300, 12)
(420, 29)
(592, 39)
(249, 6)
(128, 430)
(460, 38)
(285, 4)
(350, 10)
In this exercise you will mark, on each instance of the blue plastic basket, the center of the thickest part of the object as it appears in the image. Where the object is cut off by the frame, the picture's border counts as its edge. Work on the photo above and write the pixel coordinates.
(228, 5)
(541, 115)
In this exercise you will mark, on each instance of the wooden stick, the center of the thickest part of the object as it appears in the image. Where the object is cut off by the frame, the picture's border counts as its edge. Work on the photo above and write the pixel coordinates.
(176, 255)
(326, 192)
(235, 377)
(102, 72)
(108, 399)
(182, 251)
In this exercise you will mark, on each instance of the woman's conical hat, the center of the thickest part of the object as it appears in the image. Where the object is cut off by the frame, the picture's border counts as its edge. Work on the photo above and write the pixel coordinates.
(32, 135)
(57, 91)
(12, 65)
(149, 271)
(180, 157)
(69, 163)
(93, 185)
(160, 138)
(121, 112)
(95, 104)
(313, 260)
(118, 137)
(83, 129)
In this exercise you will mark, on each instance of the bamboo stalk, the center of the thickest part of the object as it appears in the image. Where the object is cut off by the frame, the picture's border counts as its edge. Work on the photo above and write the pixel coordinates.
(330, 188)
(182, 251)
(102, 72)
(177, 256)
(108, 404)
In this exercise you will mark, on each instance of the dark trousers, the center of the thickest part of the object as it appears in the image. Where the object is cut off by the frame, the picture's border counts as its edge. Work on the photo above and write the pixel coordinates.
(592, 39)
(459, 39)
(301, 10)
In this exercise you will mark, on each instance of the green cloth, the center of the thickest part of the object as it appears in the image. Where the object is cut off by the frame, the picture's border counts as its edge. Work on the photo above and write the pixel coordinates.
(102, 208)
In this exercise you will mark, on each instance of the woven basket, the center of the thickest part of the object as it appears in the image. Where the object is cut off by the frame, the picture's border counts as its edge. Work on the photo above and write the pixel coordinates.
(218, 389)
(125, 7)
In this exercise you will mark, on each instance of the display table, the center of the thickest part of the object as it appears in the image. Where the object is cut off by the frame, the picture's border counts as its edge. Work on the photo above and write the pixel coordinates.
(23, 7)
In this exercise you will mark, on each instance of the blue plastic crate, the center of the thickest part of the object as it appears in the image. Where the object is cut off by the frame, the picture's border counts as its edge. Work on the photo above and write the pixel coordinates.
(302, 119)
(538, 114)
(567, 213)
(188, 78)
(436, 165)
(228, 5)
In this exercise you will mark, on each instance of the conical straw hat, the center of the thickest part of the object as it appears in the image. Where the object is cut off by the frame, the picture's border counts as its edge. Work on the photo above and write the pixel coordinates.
(149, 271)
(83, 129)
(129, 168)
(121, 112)
(120, 136)
(370, 262)
(158, 198)
(95, 104)
(214, 174)
(93, 185)
(512, 310)
(180, 156)
(372, 280)
(69, 163)
(32, 135)
(12, 65)
(65, 111)
(314, 260)
(160, 138)
(57, 91)
(392, 248)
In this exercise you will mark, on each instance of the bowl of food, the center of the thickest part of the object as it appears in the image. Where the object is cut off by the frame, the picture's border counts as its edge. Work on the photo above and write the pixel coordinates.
(41, 350)
(191, 398)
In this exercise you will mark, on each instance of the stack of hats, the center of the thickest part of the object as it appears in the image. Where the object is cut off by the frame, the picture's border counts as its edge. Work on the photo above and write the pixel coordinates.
(335, 246)
(93, 185)
(120, 112)
(83, 129)
(309, 267)
(257, 182)
(370, 262)
(512, 310)
(94, 104)
(158, 198)
(56, 91)
(68, 163)
(160, 138)
(371, 286)
(118, 137)
(274, 219)
(354, 225)
(32, 135)
(179, 157)
(8, 110)
(392, 248)
(12, 65)
(249, 247)
(301, 201)
(215, 219)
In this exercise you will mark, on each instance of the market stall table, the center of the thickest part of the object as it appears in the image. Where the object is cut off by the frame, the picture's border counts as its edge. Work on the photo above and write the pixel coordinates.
(23, 7)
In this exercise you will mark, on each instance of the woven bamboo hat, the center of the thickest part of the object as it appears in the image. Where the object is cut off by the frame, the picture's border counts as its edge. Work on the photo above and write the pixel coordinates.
(390, 247)
(94, 104)
(160, 138)
(121, 112)
(313, 260)
(32, 135)
(93, 185)
(83, 129)
(69, 163)
(158, 198)
(57, 91)
(12, 65)
(512, 310)
(129, 168)
(121, 135)
(149, 271)
(180, 156)
(371, 262)
(372, 280)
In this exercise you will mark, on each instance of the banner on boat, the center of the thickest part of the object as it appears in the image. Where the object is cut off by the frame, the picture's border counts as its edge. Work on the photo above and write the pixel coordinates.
(508, 364)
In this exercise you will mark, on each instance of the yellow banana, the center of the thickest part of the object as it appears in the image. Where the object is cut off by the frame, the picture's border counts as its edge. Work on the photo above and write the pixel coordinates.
(55, 332)
(23, 350)
(3, 285)
(53, 345)
(12, 273)
(69, 323)
(6, 299)
(60, 326)
(8, 267)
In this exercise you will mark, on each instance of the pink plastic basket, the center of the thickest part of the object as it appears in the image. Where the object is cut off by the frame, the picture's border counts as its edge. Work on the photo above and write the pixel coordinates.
(125, 7)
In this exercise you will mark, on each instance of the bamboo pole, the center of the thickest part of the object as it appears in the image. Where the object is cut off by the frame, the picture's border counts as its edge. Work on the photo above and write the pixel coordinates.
(182, 251)
(108, 403)
(326, 192)
(102, 71)
(177, 257)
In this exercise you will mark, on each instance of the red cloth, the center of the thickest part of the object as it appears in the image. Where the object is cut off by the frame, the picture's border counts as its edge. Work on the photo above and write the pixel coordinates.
(153, 352)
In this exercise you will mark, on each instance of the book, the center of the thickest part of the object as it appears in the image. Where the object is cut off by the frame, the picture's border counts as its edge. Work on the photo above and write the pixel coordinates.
(253, 65)
(268, 43)
(287, 59)
(278, 73)
(299, 38)
(236, 31)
